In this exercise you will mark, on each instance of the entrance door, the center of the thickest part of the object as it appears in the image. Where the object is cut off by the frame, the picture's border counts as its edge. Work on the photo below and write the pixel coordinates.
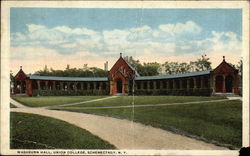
(229, 84)
(119, 85)
(24, 87)
(218, 83)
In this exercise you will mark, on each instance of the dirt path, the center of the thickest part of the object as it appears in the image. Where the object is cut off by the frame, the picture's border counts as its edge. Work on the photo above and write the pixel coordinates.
(147, 105)
(235, 98)
(89, 101)
(19, 105)
(124, 134)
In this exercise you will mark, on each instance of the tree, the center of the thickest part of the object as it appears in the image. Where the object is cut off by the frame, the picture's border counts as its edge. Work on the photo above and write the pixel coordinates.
(201, 64)
(171, 67)
(43, 72)
(184, 67)
(85, 67)
(176, 68)
(85, 72)
(239, 67)
(151, 68)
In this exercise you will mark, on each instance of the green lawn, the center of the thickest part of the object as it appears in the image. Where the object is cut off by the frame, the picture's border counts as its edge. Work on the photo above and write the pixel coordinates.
(216, 122)
(29, 131)
(219, 123)
(143, 100)
(53, 100)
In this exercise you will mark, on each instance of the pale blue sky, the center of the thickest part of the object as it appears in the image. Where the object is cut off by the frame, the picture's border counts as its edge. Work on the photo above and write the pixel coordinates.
(108, 19)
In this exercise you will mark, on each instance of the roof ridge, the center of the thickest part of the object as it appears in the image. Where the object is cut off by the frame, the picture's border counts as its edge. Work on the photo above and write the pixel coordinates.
(183, 73)
(136, 73)
(204, 72)
(65, 78)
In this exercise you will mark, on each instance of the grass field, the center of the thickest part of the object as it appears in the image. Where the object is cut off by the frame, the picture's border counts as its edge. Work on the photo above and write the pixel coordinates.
(218, 123)
(29, 131)
(215, 122)
(53, 100)
(144, 100)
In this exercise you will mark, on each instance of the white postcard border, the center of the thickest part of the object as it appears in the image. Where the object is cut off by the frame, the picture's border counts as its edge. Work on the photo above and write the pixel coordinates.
(5, 51)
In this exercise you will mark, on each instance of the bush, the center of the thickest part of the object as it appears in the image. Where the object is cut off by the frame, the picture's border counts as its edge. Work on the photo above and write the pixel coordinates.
(176, 92)
(69, 92)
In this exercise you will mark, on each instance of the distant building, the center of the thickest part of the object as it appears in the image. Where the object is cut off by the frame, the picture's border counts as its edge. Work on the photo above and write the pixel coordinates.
(106, 66)
(124, 79)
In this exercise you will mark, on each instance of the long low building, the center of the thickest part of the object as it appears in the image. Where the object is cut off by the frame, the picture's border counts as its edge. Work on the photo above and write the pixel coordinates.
(123, 79)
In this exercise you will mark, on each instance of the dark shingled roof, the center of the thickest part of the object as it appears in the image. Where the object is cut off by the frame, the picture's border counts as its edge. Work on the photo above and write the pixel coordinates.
(173, 76)
(58, 78)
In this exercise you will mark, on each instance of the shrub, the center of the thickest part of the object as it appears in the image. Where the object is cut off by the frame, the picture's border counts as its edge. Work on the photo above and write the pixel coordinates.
(69, 92)
(176, 92)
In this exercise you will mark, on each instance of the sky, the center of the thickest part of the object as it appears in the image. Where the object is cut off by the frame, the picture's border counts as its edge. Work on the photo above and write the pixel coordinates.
(76, 36)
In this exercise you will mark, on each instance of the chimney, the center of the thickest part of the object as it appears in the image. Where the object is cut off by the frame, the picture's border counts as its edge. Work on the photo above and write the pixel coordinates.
(106, 66)
(120, 54)
(223, 58)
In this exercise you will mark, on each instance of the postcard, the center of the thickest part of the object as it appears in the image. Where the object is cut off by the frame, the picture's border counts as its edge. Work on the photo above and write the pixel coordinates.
(124, 77)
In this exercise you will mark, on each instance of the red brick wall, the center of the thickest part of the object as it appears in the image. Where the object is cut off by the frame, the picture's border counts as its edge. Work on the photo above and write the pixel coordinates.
(120, 70)
(224, 70)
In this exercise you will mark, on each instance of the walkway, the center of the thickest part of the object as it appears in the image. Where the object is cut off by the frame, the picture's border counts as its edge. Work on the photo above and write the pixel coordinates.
(124, 134)
(88, 101)
(147, 105)
(235, 98)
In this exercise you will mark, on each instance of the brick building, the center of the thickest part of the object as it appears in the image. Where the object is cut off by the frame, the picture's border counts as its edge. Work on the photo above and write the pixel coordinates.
(123, 79)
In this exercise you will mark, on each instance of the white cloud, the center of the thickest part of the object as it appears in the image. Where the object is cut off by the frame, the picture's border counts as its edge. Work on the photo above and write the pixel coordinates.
(34, 27)
(64, 29)
(79, 31)
(20, 36)
(35, 58)
(155, 44)
(32, 53)
(115, 36)
(139, 33)
(70, 45)
(180, 28)
(38, 32)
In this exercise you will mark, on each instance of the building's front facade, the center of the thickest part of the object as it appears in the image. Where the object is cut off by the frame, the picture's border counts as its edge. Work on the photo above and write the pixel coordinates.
(123, 79)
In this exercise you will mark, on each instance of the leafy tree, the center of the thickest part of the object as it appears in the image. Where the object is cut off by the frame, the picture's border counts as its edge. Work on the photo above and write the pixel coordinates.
(184, 67)
(145, 69)
(151, 68)
(201, 64)
(239, 66)
(175, 67)
(74, 72)
(171, 67)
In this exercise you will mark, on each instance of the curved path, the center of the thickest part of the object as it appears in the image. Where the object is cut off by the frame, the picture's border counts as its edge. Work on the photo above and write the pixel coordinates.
(89, 101)
(124, 134)
(147, 105)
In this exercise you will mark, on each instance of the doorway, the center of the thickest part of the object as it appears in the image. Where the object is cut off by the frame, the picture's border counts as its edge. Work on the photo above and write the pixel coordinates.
(119, 85)
(219, 83)
(229, 84)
